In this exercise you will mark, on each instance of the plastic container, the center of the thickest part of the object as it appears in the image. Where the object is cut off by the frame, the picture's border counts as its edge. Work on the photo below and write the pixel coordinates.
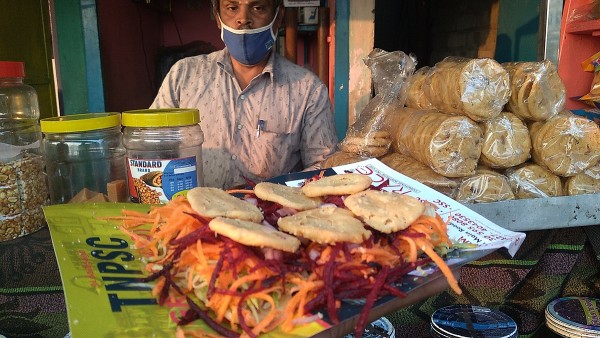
(23, 189)
(164, 153)
(84, 157)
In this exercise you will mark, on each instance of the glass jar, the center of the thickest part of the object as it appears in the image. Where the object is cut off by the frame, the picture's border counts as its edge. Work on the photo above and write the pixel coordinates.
(85, 158)
(164, 153)
(23, 189)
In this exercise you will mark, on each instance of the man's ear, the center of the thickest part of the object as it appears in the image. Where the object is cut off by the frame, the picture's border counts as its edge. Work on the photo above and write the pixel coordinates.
(280, 16)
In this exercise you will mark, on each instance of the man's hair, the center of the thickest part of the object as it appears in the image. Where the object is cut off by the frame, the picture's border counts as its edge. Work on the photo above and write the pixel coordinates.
(215, 3)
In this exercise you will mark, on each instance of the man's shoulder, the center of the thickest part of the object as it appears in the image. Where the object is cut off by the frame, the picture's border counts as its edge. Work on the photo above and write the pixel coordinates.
(202, 60)
(286, 69)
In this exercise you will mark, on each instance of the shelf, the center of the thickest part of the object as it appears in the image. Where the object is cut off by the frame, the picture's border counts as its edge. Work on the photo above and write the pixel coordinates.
(584, 27)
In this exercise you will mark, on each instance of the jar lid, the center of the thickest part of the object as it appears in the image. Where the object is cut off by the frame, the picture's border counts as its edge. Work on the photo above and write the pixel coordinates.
(169, 117)
(460, 320)
(80, 122)
(574, 316)
(12, 69)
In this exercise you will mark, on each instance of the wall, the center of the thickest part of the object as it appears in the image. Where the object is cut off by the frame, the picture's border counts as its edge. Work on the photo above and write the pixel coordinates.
(518, 27)
(464, 28)
(133, 36)
(139, 43)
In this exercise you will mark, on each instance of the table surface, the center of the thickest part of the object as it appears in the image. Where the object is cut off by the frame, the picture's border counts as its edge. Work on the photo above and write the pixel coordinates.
(551, 263)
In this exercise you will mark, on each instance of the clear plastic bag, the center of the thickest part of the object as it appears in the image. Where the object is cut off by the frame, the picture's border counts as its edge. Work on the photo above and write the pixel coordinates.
(484, 186)
(531, 180)
(506, 141)
(477, 88)
(537, 91)
(416, 170)
(566, 144)
(449, 144)
(370, 135)
(582, 184)
(590, 10)
(341, 158)
(415, 96)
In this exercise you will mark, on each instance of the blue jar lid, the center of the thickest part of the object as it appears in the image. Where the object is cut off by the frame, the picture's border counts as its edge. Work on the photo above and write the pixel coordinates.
(471, 321)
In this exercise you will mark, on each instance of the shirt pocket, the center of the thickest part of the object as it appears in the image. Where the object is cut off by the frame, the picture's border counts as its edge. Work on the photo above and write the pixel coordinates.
(274, 151)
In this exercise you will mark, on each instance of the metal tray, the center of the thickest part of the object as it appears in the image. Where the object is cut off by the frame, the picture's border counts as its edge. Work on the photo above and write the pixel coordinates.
(542, 213)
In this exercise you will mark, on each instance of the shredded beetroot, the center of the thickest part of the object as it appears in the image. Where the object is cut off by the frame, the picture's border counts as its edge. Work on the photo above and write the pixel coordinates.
(209, 321)
(214, 276)
(334, 199)
(394, 291)
(380, 279)
(328, 274)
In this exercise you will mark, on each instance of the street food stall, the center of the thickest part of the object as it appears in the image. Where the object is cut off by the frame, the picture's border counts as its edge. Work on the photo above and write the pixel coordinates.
(462, 189)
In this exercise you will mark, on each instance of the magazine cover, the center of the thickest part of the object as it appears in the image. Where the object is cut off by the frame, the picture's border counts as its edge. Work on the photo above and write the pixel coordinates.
(100, 267)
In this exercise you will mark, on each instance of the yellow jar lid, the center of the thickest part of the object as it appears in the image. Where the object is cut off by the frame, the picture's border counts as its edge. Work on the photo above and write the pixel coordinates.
(169, 117)
(80, 122)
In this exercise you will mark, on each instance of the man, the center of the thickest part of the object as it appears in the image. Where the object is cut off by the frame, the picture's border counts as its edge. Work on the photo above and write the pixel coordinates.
(261, 115)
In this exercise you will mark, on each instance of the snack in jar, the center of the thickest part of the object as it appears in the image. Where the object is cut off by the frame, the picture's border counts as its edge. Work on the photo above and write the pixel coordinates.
(23, 189)
(163, 153)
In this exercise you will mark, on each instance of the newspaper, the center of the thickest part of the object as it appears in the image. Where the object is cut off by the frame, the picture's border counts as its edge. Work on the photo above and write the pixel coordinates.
(465, 226)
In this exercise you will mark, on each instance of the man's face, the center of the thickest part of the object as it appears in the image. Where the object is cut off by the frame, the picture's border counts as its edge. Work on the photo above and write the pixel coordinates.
(247, 14)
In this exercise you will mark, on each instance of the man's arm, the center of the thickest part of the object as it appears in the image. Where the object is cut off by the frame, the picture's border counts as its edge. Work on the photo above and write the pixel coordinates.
(319, 137)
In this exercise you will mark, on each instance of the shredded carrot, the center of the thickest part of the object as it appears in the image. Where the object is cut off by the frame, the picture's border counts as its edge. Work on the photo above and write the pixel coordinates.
(441, 264)
(201, 264)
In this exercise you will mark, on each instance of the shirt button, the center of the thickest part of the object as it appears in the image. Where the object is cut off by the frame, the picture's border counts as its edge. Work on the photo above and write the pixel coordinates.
(242, 96)
(239, 126)
(233, 157)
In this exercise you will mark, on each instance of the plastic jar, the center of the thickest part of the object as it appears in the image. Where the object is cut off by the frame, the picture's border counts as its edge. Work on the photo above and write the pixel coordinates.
(164, 153)
(23, 189)
(85, 158)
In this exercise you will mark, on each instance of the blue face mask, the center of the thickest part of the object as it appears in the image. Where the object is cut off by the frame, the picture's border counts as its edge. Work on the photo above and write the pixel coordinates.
(248, 46)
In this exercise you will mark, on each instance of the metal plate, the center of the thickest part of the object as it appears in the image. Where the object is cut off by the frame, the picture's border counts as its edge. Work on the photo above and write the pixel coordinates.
(542, 213)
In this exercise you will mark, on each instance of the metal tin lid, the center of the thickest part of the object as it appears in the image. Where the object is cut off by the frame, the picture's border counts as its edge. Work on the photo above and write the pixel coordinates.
(169, 117)
(574, 316)
(380, 328)
(80, 122)
(471, 321)
(12, 69)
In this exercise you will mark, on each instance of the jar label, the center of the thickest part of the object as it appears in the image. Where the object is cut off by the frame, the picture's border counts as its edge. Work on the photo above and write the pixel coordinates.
(153, 181)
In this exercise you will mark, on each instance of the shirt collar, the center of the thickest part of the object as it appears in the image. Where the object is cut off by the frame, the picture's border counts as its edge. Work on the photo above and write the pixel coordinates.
(224, 61)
